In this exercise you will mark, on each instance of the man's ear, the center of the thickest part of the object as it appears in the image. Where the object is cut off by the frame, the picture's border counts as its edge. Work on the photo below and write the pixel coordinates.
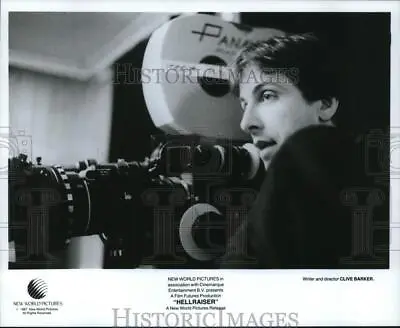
(328, 109)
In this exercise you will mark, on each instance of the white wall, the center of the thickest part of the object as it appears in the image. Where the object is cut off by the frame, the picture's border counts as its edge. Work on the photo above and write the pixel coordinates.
(68, 121)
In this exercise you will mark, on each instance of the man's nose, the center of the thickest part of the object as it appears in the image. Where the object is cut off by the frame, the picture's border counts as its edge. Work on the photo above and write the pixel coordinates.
(251, 122)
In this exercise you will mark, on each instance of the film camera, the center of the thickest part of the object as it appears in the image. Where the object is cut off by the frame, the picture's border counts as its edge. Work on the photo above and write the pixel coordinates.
(175, 209)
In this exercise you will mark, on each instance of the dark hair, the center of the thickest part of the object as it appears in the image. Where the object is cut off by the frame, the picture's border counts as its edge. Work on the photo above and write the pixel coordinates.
(304, 59)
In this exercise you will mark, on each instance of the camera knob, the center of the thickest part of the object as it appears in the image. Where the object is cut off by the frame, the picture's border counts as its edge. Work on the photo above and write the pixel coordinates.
(23, 158)
(121, 162)
(208, 232)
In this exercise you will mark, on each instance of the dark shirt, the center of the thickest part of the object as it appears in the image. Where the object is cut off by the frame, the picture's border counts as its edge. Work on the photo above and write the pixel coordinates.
(304, 215)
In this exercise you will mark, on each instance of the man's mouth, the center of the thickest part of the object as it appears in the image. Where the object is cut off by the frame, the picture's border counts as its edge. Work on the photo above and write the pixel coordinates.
(261, 144)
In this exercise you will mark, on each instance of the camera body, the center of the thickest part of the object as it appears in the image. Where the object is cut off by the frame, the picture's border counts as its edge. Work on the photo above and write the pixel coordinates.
(176, 209)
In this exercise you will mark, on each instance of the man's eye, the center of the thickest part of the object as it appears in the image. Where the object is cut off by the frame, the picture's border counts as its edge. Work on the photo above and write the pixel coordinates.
(268, 95)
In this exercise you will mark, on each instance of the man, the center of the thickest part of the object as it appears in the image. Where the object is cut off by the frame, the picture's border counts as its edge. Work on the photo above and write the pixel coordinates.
(289, 96)
(284, 84)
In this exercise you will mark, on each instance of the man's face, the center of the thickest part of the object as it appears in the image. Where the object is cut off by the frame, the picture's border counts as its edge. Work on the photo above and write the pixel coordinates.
(273, 109)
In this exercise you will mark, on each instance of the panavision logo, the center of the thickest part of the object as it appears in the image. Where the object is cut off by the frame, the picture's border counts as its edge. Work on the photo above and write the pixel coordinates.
(37, 289)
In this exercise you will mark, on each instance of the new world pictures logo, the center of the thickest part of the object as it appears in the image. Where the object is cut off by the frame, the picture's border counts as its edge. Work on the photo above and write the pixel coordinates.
(37, 289)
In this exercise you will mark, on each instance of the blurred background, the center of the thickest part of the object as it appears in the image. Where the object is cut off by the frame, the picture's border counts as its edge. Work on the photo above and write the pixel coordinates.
(62, 93)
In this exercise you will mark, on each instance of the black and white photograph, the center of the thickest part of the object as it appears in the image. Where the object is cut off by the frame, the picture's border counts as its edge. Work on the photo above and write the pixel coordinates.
(202, 140)
(182, 164)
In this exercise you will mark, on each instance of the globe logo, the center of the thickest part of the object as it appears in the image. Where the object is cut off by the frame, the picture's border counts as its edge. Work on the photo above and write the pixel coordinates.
(37, 288)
